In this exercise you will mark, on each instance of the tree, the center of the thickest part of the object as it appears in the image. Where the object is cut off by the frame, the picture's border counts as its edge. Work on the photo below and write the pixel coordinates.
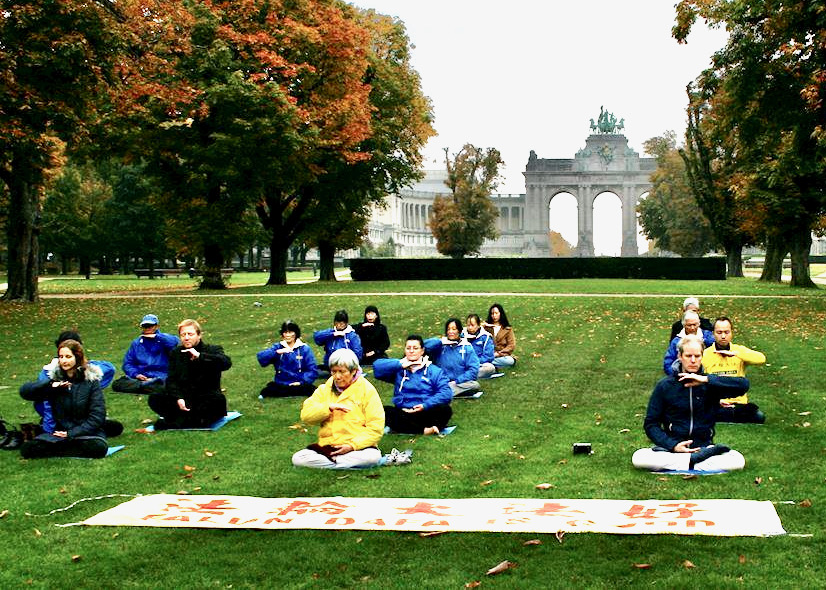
(765, 95)
(462, 221)
(669, 215)
(332, 212)
(559, 246)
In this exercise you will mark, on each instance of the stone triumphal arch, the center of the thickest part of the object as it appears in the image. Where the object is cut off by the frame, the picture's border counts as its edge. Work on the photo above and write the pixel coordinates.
(605, 164)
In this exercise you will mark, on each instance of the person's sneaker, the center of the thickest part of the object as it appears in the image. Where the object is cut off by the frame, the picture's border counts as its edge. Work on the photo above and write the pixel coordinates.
(396, 457)
(12, 440)
(707, 453)
(495, 375)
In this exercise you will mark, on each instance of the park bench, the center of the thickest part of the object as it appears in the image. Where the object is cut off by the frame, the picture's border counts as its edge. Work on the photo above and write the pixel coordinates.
(158, 272)
(198, 272)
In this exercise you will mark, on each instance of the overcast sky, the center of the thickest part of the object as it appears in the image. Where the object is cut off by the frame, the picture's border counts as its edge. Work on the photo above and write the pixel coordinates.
(525, 75)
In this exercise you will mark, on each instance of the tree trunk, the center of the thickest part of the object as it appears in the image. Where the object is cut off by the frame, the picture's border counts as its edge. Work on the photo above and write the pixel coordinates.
(326, 261)
(773, 265)
(22, 233)
(800, 244)
(213, 261)
(278, 261)
(734, 261)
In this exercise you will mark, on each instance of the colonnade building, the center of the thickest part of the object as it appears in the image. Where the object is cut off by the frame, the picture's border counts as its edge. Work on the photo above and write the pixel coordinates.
(605, 165)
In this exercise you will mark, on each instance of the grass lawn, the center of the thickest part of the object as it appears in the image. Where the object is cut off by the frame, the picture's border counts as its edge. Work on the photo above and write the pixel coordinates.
(586, 367)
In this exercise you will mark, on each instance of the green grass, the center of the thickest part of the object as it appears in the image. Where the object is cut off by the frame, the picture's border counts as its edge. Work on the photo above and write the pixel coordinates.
(597, 355)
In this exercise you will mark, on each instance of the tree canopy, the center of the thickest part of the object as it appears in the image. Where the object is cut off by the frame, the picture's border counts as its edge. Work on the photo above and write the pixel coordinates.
(462, 221)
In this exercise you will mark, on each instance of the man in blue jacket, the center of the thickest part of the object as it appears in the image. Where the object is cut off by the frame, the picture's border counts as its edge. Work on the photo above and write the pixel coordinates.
(146, 363)
(681, 413)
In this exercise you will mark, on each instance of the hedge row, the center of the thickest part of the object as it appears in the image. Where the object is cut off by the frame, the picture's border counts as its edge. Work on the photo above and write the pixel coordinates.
(400, 269)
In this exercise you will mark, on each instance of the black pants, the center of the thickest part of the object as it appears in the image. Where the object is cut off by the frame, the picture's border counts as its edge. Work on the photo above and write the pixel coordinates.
(209, 410)
(128, 385)
(415, 423)
(273, 389)
(91, 448)
(742, 413)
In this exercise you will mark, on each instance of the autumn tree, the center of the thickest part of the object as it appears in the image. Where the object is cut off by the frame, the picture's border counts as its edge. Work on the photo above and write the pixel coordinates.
(559, 246)
(669, 215)
(400, 125)
(462, 221)
(762, 102)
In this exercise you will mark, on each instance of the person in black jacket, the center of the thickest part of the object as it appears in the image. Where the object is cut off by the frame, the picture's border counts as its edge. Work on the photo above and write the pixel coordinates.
(681, 414)
(192, 398)
(373, 335)
(72, 388)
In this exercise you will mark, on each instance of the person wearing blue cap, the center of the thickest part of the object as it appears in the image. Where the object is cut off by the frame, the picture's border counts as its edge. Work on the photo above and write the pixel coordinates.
(146, 363)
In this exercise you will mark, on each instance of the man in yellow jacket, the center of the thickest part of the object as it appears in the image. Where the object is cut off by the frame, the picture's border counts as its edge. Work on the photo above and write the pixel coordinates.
(729, 360)
(350, 416)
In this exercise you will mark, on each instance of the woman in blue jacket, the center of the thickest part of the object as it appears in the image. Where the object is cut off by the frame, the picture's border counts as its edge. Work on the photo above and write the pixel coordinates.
(341, 335)
(456, 357)
(421, 393)
(294, 363)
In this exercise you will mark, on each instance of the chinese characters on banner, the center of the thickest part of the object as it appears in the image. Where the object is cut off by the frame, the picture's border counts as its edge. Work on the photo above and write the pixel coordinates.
(683, 517)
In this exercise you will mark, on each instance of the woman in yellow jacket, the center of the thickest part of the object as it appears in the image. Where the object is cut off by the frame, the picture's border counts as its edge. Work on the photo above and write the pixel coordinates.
(350, 415)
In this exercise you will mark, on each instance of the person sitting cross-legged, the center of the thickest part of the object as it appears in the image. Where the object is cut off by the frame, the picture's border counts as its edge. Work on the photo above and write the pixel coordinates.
(348, 411)
(726, 359)
(193, 397)
(456, 357)
(680, 417)
(146, 362)
(75, 398)
(294, 362)
(482, 343)
(421, 393)
(691, 325)
(341, 335)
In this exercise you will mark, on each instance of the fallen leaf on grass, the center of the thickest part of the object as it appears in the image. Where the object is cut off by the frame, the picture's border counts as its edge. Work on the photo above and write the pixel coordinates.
(473, 584)
(147, 421)
(37, 533)
(662, 479)
(742, 559)
(532, 542)
(624, 430)
(189, 468)
(62, 490)
(758, 480)
(544, 486)
(559, 535)
(4, 514)
(487, 482)
(432, 533)
(501, 567)
(805, 503)
(536, 355)
(182, 493)
(688, 565)
(642, 566)
(209, 453)
(803, 413)
(563, 462)
(75, 558)
(445, 466)
(691, 476)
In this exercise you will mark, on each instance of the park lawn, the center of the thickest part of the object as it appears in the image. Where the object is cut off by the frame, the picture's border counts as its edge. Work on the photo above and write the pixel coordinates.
(586, 368)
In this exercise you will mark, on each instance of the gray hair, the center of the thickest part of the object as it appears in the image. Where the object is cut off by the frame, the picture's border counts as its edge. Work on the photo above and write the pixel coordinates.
(690, 315)
(691, 338)
(691, 301)
(344, 357)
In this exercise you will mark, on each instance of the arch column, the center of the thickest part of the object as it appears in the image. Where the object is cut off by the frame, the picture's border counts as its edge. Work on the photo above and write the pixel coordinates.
(585, 221)
(629, 221)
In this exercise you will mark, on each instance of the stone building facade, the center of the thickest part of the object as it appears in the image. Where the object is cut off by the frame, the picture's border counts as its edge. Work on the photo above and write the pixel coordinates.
(605, 164)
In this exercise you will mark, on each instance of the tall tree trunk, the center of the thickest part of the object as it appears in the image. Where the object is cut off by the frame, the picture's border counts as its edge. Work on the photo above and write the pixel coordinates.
(278, 261)
(326, 261)
(799, 245)
(213, 261)
(22, 229)
(773, 265)
(734, 260)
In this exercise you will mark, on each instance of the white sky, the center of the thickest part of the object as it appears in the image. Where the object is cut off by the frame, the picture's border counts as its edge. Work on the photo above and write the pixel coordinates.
(527, 75)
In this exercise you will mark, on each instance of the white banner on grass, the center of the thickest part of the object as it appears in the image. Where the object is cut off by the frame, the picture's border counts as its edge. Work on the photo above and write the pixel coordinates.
(727, 518)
